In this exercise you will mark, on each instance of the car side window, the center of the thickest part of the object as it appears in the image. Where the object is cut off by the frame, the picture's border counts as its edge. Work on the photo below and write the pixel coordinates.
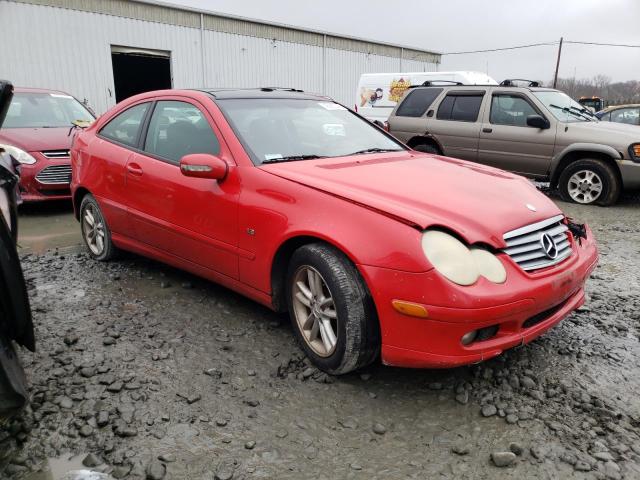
(417, 102)
(177, 129)
(606, 117)
(125, 127)
(626, 115)
(510, 110)
(460, 107)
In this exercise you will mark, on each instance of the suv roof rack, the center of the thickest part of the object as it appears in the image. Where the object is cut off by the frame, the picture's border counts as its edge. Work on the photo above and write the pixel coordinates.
(429, 83)
(510, 82)
(285, 89)
(432, 83)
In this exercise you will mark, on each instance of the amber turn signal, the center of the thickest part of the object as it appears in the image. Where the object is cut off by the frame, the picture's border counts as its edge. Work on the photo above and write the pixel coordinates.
(411, 309)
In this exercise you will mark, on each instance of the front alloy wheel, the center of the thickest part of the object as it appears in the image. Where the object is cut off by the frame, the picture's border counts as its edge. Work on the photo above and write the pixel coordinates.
(585, 186)
(331, 310)
(315, 311)
(590, 181)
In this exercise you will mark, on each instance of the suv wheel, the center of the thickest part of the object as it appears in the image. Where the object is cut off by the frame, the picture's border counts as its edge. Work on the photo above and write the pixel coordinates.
(589, 181)
(331, 311)
(426, 148)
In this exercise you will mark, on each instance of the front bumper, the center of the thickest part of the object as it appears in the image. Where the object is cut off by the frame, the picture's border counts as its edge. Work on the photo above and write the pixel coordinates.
(630, 173)
(523, 308)
(33, 190)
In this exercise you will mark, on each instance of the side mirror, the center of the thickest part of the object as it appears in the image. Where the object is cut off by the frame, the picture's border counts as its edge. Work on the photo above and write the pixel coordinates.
(536, 121)
(203, 165)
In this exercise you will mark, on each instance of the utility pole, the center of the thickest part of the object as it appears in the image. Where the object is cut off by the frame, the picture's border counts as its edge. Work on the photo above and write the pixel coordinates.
(555, 77)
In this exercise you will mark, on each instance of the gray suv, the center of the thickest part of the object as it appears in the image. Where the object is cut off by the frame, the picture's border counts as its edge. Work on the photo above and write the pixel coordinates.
(538, 132)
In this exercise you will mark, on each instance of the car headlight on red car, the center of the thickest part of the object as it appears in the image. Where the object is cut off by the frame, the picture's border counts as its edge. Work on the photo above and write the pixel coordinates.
(457, 262)
(20, 155)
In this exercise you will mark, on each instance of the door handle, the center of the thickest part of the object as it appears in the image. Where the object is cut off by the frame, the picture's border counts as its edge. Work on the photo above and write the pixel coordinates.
(487, 130)
(134, 169)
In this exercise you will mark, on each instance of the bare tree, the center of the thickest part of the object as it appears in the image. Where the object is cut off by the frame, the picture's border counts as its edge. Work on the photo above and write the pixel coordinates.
(601, 86)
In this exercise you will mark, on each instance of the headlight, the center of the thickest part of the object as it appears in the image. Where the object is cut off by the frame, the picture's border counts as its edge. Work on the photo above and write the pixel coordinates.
(634, 151)
(20, 155)
(460, 264)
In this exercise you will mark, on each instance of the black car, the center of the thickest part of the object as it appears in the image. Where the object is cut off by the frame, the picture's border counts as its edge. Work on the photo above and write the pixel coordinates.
(15, 313)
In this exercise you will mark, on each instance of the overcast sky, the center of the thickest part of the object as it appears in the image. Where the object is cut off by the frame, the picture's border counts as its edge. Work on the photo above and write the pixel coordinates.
(462, 25)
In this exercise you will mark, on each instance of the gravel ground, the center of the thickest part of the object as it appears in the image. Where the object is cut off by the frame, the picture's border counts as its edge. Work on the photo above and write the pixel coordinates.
(143, 371)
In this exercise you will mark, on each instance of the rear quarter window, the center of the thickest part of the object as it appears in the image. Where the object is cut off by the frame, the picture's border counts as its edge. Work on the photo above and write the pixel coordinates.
(417, 102)
(126, 126)
(460, 107)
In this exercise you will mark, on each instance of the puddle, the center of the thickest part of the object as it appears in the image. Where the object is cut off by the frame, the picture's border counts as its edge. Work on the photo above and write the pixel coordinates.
(67, 467)
(45, 226)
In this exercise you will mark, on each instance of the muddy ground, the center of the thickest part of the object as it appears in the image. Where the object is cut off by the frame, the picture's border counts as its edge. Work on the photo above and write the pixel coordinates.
(146, 371)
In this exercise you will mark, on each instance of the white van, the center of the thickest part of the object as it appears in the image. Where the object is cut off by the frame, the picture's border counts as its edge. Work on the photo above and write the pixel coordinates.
(378, 93)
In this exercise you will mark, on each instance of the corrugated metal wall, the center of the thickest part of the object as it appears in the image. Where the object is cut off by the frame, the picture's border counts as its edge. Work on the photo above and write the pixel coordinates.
(70, 50)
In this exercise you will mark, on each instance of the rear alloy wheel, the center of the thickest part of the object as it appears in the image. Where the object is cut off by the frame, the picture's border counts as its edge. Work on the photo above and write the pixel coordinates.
(589, 181)
(331, 310)
(95, 232)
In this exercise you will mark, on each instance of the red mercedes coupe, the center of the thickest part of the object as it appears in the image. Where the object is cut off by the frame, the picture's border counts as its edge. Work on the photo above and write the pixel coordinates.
(291, 199)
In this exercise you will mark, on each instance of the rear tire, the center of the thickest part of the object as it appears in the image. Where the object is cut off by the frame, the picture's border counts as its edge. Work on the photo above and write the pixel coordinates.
(332, 313)
(95, 231)
(427, 148)
(589, 181)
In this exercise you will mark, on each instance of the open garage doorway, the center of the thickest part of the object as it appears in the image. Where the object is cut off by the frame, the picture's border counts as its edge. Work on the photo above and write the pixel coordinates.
(137, 70)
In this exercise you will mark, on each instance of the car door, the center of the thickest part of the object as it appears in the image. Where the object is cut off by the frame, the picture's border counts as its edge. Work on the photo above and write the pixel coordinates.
(409, 118)
(110, 152)
(456, 125)
(507, 142)
(193, 219)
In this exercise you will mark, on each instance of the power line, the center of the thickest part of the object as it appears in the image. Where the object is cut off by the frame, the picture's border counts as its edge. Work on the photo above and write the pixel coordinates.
(603, 44)
(575, 42)
(501, 49)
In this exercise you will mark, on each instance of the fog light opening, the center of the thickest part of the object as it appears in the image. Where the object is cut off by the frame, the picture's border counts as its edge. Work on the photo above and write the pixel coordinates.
(469, 337)
(479, 335)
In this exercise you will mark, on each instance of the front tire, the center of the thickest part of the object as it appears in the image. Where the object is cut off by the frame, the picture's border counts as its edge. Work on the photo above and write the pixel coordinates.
(589, 181)
(331, 310)
(95, 231)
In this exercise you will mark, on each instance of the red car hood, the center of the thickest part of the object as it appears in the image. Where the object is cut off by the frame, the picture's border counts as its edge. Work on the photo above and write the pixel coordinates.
(480, 203)
(37, 139)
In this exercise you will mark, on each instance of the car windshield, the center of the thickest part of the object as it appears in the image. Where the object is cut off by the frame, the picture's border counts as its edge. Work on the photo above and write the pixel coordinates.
(277, 130)
(564, 108)
(45, 110)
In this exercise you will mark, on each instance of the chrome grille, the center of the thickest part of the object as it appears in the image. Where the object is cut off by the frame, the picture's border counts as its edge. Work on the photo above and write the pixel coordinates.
(55, 174)
(525, 245)
(56, 153)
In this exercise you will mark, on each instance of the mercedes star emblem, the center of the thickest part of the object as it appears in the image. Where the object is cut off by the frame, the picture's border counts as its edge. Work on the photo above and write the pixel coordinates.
(531, 207)
(549, 246)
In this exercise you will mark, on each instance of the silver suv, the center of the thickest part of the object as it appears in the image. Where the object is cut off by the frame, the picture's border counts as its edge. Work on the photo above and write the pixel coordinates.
(538, 132)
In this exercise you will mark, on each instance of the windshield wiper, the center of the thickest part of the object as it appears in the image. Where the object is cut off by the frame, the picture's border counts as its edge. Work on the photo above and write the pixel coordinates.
(291, 158)
(585, 111)
(572, 112)
(376, 150)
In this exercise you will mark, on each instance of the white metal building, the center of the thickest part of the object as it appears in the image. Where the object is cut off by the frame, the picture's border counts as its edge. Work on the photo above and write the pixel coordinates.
(96, 49)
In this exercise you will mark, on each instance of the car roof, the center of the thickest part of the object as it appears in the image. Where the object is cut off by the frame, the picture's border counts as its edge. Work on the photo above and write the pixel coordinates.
(617, 107)
(37, 90)
(263, 92)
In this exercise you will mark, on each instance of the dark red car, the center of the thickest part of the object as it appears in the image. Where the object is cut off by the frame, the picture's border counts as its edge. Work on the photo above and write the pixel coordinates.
(37, 133)
(302, 205)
